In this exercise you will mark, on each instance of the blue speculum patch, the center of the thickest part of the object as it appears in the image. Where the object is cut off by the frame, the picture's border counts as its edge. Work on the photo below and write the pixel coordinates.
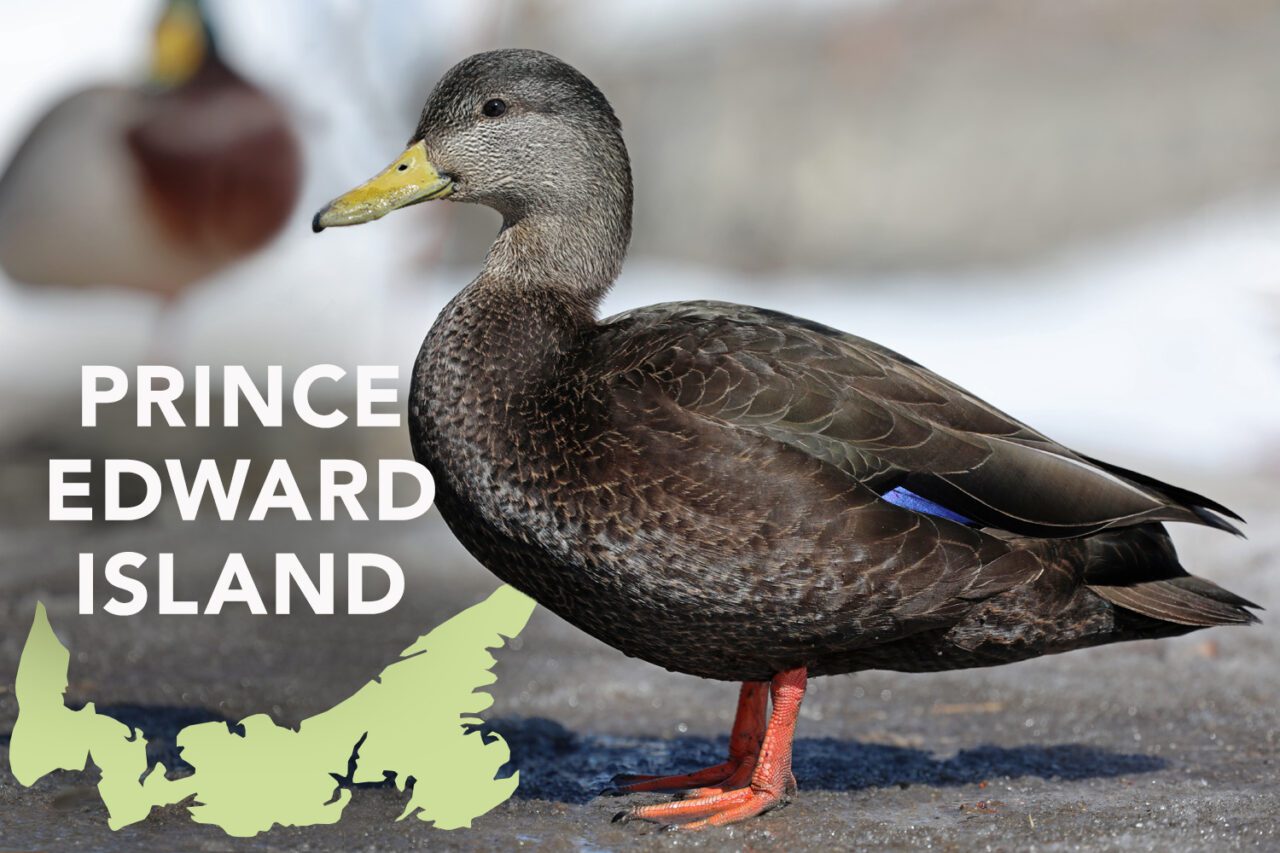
(910, 500)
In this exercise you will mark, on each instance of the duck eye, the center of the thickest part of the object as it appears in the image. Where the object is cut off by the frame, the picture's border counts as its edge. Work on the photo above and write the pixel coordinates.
(494, 107)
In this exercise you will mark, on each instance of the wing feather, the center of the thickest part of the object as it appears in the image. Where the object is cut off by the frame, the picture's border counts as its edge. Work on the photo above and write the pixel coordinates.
(885, 420)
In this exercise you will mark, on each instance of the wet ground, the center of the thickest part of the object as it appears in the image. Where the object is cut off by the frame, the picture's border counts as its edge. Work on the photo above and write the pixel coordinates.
(1151, 746)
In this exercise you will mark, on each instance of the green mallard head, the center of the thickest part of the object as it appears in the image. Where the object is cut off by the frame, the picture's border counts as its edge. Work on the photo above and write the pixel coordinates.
(181, 43)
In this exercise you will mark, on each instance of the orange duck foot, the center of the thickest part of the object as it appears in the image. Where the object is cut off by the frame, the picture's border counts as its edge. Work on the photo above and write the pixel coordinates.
(756, 778)
(744, 747)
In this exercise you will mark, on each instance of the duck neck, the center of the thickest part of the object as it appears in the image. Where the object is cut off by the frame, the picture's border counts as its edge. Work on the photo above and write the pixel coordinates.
(567, 258)
(539, 290)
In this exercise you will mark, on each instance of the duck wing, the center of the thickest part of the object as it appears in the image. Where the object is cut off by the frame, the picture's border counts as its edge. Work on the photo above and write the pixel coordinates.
(886, 421)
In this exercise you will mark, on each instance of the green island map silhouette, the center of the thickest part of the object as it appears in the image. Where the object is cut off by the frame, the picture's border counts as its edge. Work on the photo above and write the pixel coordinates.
(415, 719)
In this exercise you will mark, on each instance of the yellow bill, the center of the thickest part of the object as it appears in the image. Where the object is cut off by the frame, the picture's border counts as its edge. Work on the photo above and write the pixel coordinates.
(409, 180)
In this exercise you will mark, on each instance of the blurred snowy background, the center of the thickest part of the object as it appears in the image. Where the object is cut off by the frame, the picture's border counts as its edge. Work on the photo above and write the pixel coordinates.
(1071, 209)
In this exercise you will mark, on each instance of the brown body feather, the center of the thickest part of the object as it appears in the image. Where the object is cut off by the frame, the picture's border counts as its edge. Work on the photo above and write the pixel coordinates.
(219, 162)
(699, 484)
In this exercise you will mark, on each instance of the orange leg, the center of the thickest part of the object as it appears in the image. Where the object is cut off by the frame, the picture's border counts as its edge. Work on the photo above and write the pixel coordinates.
(771, 780)
(744, 745)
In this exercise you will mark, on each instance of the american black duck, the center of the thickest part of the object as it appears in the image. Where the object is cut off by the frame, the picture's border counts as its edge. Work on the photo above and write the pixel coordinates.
(151, 187)
(732, 492)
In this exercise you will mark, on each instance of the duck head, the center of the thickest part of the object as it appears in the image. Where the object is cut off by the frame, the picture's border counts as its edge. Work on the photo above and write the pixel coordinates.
(180, 44)
(523, 133)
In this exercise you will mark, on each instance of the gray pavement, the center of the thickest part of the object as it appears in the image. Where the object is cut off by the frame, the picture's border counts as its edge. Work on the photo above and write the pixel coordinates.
(1150, 746)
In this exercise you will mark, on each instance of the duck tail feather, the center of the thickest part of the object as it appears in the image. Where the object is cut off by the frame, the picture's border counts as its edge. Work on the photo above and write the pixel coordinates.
(1181, 603)
(1136, 568)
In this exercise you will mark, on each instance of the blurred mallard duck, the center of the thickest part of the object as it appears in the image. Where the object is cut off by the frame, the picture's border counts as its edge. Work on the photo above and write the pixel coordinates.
(732, 492)
(156, 186)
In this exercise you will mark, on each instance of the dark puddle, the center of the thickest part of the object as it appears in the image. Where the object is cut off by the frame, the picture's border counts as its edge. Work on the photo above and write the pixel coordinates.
(557, 764)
